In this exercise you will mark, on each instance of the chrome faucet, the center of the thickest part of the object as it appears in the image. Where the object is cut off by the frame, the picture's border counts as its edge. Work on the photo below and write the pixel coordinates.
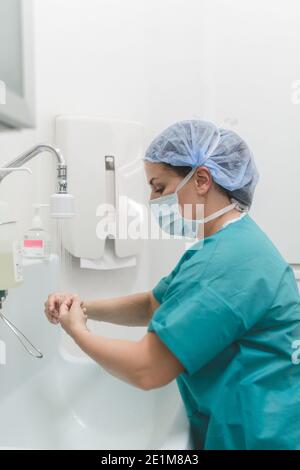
(62, 185)
(62, 203)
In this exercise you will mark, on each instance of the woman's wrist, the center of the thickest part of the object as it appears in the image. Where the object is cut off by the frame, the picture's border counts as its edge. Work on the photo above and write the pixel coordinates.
(86, 304)
(80, 333)
(92, 310)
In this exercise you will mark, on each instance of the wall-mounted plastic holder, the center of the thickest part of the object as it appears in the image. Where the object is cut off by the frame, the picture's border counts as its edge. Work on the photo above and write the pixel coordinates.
(105, 170)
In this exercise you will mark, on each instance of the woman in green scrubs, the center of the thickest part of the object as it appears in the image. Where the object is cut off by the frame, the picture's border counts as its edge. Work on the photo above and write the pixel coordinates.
(225, 322)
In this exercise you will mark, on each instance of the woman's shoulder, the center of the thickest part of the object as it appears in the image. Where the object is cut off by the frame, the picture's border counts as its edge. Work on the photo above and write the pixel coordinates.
(239, 247)
(250, 240)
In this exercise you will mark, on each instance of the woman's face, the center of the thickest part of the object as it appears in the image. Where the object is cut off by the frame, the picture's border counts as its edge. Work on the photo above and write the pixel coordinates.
(163, 181)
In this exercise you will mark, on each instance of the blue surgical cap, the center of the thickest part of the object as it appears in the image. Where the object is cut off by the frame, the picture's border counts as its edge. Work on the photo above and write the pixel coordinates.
(195, 143)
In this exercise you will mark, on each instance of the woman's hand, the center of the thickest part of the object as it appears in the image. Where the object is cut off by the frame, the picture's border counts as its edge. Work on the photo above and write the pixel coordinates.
(53, 303)
(72, 316)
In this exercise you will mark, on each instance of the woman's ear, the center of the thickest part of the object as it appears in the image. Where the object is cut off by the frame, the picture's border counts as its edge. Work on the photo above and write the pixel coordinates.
(203, 180)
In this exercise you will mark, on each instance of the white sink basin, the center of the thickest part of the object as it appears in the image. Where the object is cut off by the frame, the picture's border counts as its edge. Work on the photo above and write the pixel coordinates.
(64, 402)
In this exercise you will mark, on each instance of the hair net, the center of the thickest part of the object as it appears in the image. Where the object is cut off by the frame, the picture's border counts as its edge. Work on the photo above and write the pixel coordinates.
(195, 143)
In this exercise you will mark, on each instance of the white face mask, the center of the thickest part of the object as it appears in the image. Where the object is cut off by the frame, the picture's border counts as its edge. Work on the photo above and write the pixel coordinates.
(166, 210)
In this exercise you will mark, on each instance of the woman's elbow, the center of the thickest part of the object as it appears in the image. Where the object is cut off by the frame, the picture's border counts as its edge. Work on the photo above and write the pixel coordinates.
(151, 381)
(157, 365)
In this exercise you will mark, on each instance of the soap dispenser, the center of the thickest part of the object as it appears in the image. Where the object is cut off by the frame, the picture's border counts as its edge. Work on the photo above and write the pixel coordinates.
(11, 260)
(11, 266)
(36, 242)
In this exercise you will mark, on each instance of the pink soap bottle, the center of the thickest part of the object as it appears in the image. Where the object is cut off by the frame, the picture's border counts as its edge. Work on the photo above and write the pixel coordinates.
(36, 243)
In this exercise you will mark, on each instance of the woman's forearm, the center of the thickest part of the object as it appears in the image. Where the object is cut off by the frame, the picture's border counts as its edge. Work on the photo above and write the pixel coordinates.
(126, 360)
(130, 310)
(146, 363)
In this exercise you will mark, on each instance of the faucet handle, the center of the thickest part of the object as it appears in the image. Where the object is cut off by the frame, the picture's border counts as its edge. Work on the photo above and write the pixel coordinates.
(10, 169)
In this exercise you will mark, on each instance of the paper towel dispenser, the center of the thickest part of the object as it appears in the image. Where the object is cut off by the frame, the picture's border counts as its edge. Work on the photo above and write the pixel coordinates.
(105, 172)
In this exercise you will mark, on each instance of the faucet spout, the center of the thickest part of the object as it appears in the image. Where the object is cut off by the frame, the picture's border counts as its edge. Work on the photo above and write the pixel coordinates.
(33, 152)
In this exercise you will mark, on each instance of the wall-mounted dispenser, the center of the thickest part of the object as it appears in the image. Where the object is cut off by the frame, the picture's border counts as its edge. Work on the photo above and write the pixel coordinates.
(105, 170)
(10, 251)
(11, 263)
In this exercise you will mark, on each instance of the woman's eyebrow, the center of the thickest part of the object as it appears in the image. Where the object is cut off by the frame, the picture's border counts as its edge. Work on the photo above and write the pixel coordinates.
(152, 179)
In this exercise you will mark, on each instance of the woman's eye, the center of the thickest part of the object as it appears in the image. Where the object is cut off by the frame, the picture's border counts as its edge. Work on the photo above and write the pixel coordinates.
(158, 190)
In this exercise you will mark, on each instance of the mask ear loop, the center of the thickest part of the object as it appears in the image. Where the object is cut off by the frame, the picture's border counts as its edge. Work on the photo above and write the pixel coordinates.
(185, 179)
(243, 208)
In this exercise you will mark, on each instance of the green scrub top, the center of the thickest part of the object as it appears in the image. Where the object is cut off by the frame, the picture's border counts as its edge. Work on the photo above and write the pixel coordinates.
(230, 313)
